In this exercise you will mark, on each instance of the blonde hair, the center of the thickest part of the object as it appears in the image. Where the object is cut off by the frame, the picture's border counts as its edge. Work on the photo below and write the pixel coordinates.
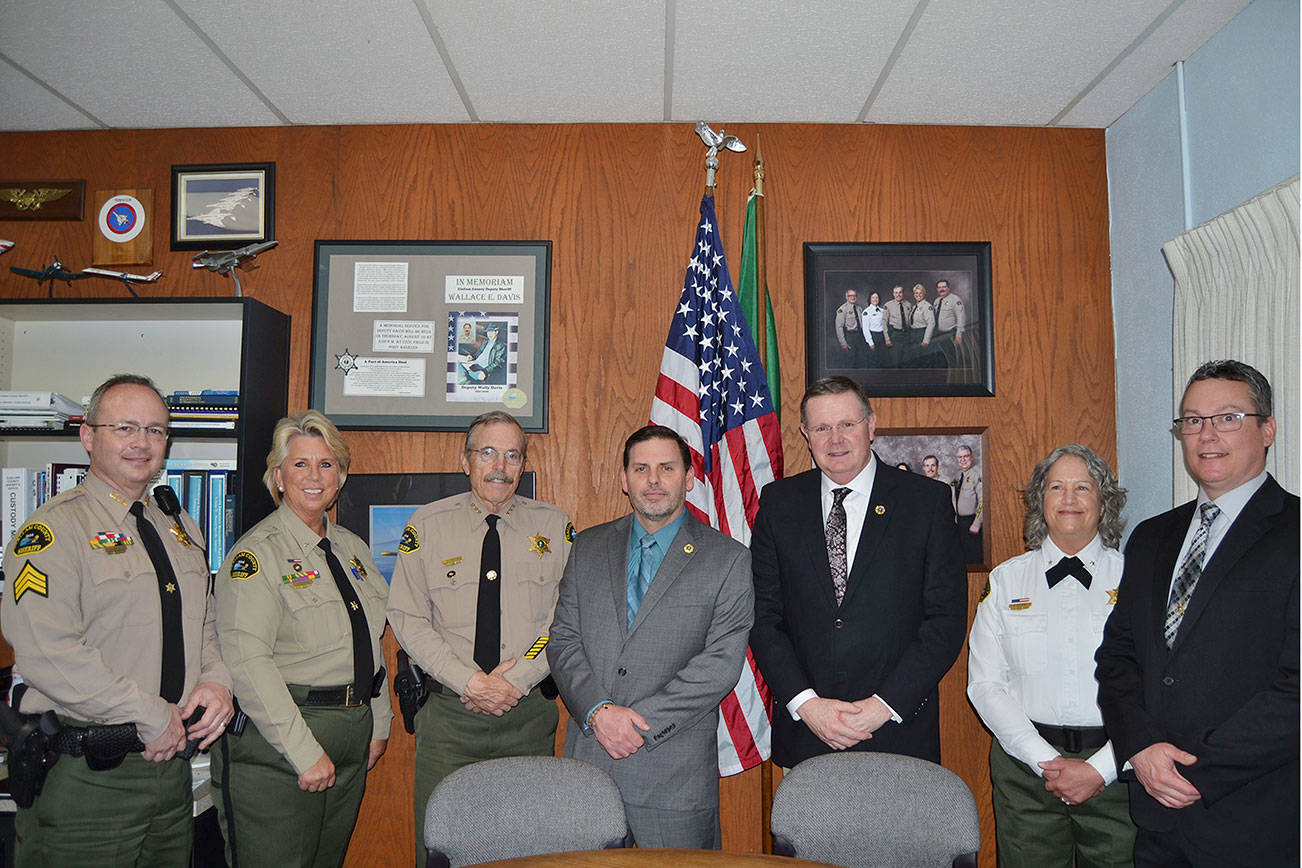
(307, 423)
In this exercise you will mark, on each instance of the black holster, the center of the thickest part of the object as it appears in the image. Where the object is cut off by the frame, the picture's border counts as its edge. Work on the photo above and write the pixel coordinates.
(409, 687)
(29, 739)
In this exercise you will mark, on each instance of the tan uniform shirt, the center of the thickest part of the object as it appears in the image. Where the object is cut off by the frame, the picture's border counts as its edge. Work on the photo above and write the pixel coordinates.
(923, 317)
(435, 590)
(897, 313)
(847, 323)
(950, 315)
(279, 624)
(968, 498)
(81, 610)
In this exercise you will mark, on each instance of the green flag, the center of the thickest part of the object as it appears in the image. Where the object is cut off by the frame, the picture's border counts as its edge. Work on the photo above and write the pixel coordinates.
(748, 283)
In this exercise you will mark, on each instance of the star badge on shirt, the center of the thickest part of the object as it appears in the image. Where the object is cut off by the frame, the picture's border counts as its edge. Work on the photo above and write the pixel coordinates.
(1112, 596)
(538, 544)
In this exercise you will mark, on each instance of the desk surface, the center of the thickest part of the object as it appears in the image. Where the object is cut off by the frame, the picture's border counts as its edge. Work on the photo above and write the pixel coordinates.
(638, 858)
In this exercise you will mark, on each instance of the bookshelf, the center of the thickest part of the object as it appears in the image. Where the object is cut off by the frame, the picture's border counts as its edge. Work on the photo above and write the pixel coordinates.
(71, 346)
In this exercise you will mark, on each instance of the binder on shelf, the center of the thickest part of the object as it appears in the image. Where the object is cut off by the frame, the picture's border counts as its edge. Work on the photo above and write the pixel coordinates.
(16, 487)
(195, 499)
(45, 402)
(216, 532)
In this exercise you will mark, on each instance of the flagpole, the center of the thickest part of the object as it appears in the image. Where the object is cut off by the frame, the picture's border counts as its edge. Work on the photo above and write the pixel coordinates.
(761, 291)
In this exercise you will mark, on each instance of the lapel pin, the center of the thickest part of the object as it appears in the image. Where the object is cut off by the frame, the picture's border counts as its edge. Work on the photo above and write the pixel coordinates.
(689, 548)
(879, 509)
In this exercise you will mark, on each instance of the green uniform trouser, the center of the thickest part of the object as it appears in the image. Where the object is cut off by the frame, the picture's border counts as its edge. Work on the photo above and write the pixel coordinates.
(449, 736)
(1034, 829)
(265, 818)
(140, 813)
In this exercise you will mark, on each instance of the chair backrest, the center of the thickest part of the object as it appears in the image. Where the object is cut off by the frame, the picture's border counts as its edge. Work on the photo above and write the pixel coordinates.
(864, 809)
(522, 806)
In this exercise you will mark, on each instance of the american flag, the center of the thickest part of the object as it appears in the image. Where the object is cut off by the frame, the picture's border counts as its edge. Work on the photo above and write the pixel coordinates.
(712, 391)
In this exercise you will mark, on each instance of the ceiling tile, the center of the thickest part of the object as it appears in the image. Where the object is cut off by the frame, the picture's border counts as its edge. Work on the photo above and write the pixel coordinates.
(777, 62)
(347, 61)
(585, 60)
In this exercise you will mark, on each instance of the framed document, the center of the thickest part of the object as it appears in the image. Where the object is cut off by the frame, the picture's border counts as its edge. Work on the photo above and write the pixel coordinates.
(427, 335)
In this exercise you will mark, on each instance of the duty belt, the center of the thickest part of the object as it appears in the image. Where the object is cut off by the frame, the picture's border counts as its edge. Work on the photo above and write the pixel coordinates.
(346, 695)
(1072, 739)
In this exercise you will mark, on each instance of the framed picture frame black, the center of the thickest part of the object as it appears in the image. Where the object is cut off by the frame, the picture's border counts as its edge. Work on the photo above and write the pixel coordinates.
(940, 453)
(427, 335)
(934, 308)
(377, 506)
(222, 206)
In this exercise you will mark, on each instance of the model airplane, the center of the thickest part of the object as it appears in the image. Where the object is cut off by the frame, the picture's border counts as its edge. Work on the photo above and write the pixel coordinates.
(5, 246)
(50, 273)
(224, 262)
(126, 278)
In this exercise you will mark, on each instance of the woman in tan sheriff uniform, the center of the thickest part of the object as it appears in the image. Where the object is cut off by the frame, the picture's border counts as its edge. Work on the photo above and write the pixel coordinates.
(318, 717)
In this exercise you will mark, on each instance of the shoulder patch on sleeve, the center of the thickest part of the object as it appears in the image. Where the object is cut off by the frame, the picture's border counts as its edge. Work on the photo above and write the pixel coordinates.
(569, 532)
(985, 592)
(244, 565)
(35, 537)
(31, 579)
(410, 542)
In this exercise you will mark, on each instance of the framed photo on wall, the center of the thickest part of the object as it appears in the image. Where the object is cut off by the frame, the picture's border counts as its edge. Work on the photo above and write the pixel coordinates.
(955, 457)
(222, 206)
(427, 335)
(377, 506)
(911, 319)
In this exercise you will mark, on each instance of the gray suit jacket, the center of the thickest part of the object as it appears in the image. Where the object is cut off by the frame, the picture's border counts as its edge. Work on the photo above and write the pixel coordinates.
(675, 664)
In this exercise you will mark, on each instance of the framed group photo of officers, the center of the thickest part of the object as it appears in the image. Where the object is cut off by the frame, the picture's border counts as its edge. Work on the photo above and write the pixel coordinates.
(954, 457)
(902, 319)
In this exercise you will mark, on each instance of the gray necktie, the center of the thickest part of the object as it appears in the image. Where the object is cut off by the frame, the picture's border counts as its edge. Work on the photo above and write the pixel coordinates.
(1190, 571)
(835, 533)
(645, 573)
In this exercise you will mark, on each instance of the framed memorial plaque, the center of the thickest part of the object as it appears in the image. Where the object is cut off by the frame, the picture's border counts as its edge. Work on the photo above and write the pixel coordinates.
(427, 335)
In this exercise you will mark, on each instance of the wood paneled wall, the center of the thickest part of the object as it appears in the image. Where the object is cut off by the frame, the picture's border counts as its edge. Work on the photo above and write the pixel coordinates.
(620, 204)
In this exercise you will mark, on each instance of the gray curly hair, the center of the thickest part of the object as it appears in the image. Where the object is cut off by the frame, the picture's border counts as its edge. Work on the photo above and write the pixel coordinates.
(1035, 528)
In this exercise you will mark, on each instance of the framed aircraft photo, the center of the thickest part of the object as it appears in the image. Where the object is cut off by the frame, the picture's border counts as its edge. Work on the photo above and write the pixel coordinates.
(221, 206)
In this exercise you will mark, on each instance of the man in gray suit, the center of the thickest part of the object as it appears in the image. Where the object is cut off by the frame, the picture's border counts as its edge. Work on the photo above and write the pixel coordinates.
(649, 636)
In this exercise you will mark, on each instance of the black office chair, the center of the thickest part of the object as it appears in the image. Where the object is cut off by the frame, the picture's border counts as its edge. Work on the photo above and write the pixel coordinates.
(522, 806)
(875, 810)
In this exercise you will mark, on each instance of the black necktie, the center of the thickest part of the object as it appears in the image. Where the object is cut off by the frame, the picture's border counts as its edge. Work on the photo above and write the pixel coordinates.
(488, 613)
(1068, 566)
(363, 662)
(172, 681)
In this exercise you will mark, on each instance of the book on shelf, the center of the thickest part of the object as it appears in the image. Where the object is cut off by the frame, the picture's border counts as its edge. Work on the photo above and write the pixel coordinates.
(46, 402)
(203, 398)
(10, 419)
(202, 424)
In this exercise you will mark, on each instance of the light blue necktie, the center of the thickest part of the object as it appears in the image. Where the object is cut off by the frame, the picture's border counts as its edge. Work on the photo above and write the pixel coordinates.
(637, 586)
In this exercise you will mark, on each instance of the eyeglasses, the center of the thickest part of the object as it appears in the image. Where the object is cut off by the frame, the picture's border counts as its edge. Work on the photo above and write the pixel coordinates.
(488, 455)
(1221, 422)
(820, 431)
(128, 430)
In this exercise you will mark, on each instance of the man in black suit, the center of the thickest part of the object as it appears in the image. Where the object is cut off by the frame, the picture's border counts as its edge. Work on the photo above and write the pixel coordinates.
(1198, 670)
(860, 591)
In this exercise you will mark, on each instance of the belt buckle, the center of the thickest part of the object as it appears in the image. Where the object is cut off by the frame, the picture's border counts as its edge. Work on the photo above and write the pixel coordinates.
(1073, 740)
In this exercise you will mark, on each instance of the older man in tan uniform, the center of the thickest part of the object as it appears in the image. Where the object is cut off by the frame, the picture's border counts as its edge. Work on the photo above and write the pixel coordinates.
(471, 602)
(101, 638)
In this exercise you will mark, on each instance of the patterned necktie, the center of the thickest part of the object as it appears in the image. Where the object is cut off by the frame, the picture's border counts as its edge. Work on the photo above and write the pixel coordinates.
(1068, 566)
(363, 661)
(639, 583)
(488, 608)
(172, 680)
(835, 533)
(1190, 571)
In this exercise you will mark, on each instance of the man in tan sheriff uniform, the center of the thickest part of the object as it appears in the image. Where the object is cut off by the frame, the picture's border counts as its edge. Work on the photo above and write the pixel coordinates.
(482, 705)
(90, 621)
(969, 504)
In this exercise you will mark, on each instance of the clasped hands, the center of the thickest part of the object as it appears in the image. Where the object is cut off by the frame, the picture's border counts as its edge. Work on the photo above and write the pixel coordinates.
(490, 692)
(840, 724)
(616, 728)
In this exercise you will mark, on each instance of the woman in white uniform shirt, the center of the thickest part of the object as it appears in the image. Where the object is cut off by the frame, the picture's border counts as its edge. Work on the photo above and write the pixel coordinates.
(874, 331)
(1031, 673)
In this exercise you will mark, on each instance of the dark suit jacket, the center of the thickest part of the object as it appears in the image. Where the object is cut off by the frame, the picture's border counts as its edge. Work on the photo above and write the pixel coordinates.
(1226, 692)
(895, 634)
(674, 665)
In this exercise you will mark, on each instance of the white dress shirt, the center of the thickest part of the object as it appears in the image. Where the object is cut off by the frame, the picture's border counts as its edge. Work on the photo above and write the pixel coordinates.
(874, 320)
(856, 510)
(1031, 651)
(1231, 503)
